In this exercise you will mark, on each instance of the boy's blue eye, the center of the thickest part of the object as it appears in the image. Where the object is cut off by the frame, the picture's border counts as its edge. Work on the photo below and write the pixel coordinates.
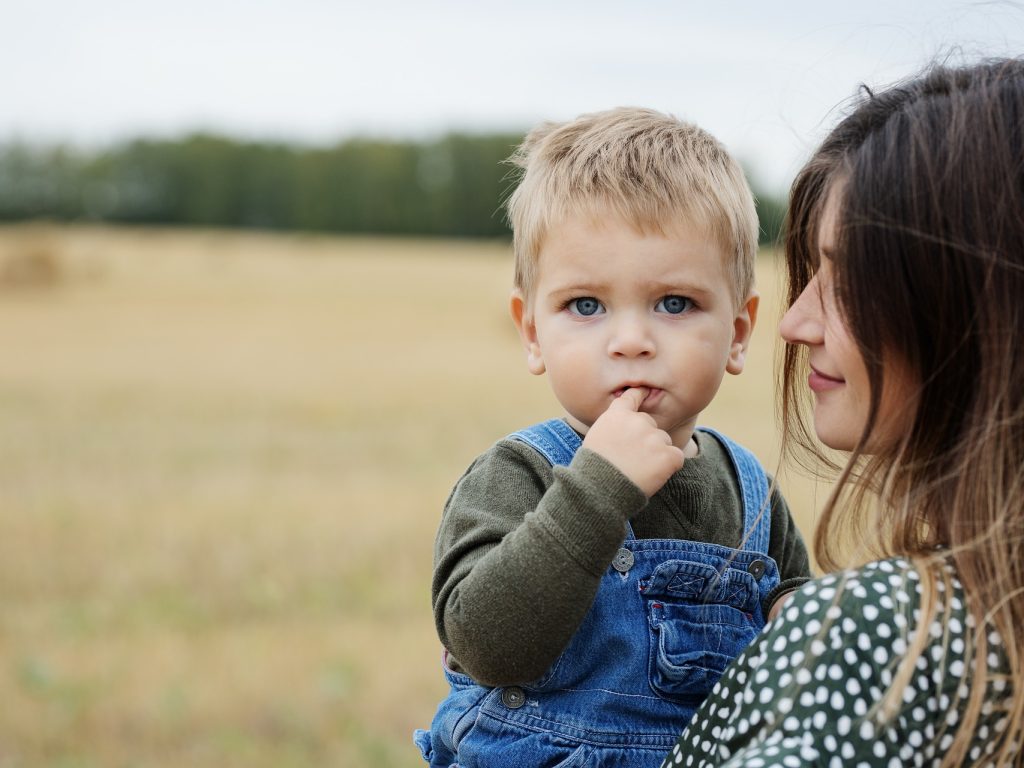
(585, 306)
(674, 305)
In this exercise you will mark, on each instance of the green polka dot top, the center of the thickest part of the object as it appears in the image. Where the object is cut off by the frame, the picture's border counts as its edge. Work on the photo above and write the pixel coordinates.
(804, 692)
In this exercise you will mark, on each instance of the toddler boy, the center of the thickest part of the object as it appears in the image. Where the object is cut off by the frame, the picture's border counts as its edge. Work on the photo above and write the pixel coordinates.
(595, 574)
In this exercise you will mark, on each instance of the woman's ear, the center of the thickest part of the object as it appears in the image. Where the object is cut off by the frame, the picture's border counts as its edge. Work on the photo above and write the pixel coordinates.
(742, 328)
(522, 316)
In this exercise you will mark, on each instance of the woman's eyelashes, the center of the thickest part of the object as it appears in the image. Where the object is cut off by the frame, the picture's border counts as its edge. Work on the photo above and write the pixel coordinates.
(588, 306)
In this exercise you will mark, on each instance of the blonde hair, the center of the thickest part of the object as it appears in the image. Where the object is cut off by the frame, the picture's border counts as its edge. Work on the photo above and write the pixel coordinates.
(929, 270)
(648, 168)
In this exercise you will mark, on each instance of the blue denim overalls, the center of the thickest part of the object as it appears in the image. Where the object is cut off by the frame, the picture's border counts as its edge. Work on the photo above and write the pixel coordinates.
(668, 617)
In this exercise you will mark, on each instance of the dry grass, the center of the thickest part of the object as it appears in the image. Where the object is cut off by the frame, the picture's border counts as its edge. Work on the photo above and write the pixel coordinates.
(222, 461)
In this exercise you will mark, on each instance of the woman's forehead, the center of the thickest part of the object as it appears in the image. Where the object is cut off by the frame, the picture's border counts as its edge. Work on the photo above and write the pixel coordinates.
(828, 220)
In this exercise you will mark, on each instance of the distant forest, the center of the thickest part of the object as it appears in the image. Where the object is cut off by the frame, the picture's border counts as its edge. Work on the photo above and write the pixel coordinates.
(451, 186)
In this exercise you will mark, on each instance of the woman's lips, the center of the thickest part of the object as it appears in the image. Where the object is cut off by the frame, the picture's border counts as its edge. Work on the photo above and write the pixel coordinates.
(820, 382)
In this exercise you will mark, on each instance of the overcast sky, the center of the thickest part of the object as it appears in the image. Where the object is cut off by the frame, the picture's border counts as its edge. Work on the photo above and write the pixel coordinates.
(765, 77)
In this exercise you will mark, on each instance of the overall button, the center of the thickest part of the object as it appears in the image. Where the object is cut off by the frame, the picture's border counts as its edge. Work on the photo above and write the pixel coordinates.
(513, 697)
(623, 560)
(757, 568)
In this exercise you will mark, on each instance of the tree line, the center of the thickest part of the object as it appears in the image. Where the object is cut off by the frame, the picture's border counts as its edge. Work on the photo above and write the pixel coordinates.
(453, 185)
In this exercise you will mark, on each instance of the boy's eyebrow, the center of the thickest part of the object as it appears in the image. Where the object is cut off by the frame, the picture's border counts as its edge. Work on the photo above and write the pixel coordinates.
(581, 285)
(681, 285)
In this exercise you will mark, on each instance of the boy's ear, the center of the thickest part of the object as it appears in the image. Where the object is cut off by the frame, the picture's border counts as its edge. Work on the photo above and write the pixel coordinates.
(523, 318)
(742, 328)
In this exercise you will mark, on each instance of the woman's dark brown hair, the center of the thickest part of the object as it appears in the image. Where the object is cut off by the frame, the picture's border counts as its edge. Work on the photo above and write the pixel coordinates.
(929, 271)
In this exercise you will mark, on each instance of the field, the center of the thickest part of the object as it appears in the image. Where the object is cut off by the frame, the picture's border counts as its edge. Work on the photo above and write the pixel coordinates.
(222, 461)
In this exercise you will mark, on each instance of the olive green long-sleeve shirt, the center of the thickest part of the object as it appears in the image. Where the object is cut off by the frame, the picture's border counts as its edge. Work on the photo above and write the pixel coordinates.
(522, 547)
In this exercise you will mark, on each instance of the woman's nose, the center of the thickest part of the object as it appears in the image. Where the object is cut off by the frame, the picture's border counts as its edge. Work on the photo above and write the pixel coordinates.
(802, 323)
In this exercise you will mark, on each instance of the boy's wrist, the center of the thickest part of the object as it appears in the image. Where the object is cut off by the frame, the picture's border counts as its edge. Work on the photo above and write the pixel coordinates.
(595, 500)
(610, 482)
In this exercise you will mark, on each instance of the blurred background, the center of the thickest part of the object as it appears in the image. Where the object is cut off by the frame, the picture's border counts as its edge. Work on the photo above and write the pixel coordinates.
(253, 285)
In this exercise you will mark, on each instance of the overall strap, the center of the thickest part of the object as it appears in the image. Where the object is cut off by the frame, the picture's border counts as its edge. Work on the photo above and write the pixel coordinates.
(555, 440)
(757, 517)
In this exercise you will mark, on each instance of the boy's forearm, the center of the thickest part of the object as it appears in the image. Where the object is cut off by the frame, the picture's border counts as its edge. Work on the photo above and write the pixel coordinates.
(788, 550)
(787, 545)
(508, 617)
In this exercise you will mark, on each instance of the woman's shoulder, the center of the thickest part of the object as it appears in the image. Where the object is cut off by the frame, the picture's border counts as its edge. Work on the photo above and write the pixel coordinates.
(813, 687)
(811, 680)
(870, 614)
(876, 591)
(847, 634)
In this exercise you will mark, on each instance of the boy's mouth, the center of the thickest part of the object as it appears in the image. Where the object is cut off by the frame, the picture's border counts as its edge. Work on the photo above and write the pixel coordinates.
(652, 392)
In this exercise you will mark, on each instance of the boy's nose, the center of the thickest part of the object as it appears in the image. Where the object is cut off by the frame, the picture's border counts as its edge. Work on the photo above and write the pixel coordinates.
(631, 337)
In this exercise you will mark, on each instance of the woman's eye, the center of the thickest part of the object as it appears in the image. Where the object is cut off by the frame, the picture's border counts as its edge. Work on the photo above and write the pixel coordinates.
(674, 305)
(585, 306)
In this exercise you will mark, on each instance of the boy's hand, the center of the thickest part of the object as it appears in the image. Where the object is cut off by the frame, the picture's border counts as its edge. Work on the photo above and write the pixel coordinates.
(631, 440)
(779, 604)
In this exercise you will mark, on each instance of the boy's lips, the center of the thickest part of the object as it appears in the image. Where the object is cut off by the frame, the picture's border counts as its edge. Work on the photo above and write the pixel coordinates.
(652, 392)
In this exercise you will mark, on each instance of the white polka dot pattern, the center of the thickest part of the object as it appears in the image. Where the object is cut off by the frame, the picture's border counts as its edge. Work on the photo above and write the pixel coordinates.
(807, 691)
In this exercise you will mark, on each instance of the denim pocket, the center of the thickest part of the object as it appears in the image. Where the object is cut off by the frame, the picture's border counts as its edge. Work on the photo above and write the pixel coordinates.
(455, 716)
(496, 743)
(578, 758)
(692, 644)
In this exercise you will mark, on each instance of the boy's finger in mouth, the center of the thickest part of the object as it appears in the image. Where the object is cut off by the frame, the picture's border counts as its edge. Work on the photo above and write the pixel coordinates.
(653, 393)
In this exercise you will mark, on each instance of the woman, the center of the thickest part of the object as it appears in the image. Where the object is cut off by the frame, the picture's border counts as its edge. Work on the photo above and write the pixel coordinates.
(905, 252)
